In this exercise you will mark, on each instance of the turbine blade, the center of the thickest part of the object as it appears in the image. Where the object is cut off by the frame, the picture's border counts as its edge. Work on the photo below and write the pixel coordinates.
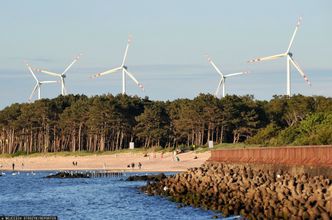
(294, 33)
(235, 74)
(47, 82)
(267, 58)
(218, 88)
(126, 51)
(33, 91)
(65, 90)
(300, 71)
(106, 72)
(31, 71)
(72, 63)
(48, 72)
(134, 79)
(214, 65)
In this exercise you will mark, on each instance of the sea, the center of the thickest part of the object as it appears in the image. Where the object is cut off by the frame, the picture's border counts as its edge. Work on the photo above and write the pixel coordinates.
(31, 194)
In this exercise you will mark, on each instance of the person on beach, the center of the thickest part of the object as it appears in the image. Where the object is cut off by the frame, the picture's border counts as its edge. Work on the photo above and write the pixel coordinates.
(132, 165)
(13, 165)
(139, 165)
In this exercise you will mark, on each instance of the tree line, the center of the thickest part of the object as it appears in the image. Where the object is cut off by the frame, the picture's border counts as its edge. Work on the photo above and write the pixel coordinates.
(108, 123)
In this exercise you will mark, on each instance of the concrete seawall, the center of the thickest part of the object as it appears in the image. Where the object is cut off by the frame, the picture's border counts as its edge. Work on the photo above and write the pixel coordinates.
(313, 160)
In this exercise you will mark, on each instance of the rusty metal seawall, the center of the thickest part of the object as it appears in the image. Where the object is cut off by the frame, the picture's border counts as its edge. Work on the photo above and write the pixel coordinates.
(300, 155)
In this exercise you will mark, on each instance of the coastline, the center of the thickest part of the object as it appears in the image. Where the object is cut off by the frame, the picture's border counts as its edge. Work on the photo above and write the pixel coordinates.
(154, 162)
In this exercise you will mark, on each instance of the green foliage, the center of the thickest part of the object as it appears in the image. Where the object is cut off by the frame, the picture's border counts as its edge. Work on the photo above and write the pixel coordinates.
(286, 136)
(316, 129)
(76, 123)
(264, 135)
(153, 124)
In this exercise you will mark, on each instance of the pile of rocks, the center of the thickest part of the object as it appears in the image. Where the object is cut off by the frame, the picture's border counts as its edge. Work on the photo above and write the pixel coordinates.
(69, 175)
(254, 194)
(156, 177)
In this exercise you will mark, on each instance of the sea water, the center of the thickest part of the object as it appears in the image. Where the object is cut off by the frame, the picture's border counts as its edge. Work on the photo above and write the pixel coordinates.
(30, 194)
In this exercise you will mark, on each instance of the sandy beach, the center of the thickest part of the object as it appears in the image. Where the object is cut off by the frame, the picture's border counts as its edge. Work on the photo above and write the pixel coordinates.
(117, 162)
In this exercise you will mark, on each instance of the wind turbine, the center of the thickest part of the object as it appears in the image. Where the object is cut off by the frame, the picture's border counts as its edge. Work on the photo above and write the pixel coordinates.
(124, 70)
(289, 61)
(223, 77)
(61, 75)
(38, 83)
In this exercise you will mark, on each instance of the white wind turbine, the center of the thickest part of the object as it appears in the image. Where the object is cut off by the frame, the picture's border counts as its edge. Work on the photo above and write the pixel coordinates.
(61, 75)
(290, 60)
(124, 70)
(37, 87)
(223, 77)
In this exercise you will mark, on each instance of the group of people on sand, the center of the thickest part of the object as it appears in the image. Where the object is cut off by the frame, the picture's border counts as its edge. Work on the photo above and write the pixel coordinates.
(13, 166)
(132, 165)
(74, 163)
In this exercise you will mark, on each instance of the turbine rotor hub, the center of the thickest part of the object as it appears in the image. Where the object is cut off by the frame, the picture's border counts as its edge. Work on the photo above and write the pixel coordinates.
(290, 54)
(125, 67)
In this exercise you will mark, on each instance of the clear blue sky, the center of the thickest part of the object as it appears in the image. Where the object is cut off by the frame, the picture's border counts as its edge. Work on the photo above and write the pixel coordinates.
(170, 39)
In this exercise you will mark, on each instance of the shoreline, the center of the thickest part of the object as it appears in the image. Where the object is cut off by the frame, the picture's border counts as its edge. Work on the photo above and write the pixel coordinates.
(154, 162)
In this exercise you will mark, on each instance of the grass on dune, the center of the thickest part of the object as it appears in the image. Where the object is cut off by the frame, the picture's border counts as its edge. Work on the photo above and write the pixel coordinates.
(202, 149)
(87, 153)
(197, 149)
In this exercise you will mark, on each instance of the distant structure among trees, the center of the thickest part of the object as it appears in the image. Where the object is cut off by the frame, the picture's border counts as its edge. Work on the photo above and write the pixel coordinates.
(107, 122)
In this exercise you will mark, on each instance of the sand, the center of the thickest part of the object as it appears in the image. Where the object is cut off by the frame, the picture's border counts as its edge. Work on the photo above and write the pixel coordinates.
(154, 162)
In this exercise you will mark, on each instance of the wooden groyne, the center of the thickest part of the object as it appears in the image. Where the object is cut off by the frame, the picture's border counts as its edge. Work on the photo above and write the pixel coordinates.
(301, 155)
(85, 174)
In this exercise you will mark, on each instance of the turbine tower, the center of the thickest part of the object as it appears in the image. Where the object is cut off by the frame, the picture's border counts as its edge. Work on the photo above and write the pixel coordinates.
(289, 60)
(124, 70)
(222, 77)
(61, 75)
(37, 87)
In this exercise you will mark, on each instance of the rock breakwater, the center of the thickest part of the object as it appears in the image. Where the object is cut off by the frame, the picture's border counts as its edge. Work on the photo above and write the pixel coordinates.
(254, 194)
(156, 177)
